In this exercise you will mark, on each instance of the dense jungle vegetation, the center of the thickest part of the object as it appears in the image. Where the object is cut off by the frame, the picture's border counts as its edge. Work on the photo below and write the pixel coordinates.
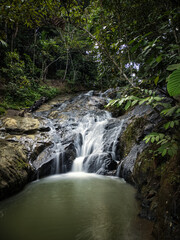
(49, 46)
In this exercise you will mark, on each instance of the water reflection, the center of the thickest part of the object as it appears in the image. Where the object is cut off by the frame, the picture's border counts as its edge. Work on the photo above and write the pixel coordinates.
(74, 206)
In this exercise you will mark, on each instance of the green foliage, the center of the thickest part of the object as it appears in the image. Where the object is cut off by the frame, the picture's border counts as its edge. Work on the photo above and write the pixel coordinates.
(21, 89)
(173, 85)
(3, 43)
(168, 145)
(2, 110)
(15, 70)
(168, 138)
(25, 97)
(173, 67)
(148, 97)
(48, 92)
(31, 70)
(134, 46)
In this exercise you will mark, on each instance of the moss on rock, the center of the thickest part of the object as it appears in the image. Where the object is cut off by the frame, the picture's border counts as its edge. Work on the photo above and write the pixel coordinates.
(157, 181)
(168, 211)
(14, 168)
(132, 135)
(18, 124)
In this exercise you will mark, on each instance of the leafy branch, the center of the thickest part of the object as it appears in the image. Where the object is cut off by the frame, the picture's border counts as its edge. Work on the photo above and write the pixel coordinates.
(168, 141)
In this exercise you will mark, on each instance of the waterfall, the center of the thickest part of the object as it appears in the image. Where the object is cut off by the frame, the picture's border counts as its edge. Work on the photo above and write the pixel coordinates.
(117, 133)
(91, 155)
(84, 137)
(90, 138)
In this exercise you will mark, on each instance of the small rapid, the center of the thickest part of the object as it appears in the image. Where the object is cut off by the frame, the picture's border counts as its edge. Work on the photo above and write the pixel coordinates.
(85, 137)
(90, 139)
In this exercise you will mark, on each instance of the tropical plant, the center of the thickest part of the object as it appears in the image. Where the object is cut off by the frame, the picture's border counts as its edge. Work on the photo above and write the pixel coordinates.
(168, 139)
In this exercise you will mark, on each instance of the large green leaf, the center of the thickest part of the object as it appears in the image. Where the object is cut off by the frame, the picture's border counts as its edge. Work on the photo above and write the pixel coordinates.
(173, 67)
(173, 85)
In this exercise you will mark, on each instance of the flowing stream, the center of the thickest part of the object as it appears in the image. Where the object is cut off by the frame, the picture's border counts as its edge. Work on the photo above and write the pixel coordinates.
(79, 205)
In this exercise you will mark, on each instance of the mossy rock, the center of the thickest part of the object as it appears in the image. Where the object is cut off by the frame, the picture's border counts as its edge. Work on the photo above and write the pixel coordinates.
(14, 168)
(21, 125)
(134, 133)
(168, 213)
(158, 183)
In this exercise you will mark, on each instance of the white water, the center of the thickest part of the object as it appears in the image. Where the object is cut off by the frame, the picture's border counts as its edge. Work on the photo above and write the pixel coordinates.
(90, 142)
(90, 138)
(116, 135)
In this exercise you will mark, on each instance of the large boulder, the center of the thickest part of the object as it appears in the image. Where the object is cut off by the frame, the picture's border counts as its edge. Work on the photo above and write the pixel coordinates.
(15, 170)
(19, 125)
(99, 163)
(55, 160)
(138, 123)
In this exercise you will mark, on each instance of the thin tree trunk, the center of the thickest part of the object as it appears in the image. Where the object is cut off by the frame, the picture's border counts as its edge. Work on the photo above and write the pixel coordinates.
(45, 70)
(67, 61)
(74, 74)
(14, 34)
(67, 58)
(6, 31)
(34, 52)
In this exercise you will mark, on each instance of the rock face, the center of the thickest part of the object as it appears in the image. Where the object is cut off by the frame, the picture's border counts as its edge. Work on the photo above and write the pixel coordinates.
(157, 181)
(19, 125)
(139, 122)
(15, 171)
(99, 163)
(22, 139)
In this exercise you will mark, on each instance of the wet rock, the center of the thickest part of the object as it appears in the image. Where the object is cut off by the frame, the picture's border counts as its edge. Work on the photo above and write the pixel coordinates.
(125, 169)
(46, 169)
(39, 147)
(37, 104)
(113, 131)
(63, 157)
(47, 155)
(15, 170)
(167, 225)
(95, 162)
(156, 179)
(69, 154)
(19, 125)
(140, 121)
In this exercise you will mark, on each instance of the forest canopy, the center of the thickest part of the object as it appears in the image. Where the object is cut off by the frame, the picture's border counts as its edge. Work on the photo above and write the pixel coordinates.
(87, 45)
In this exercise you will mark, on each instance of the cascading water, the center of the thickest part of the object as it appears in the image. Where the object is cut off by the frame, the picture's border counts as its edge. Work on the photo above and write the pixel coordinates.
(90, 138)
(84, 136)
(116, 135)
(90, 142)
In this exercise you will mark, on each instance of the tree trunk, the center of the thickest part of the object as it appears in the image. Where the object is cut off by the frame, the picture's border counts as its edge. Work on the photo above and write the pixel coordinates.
(34, 51)
(14, 34)
(45, 70)
(67, 61)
